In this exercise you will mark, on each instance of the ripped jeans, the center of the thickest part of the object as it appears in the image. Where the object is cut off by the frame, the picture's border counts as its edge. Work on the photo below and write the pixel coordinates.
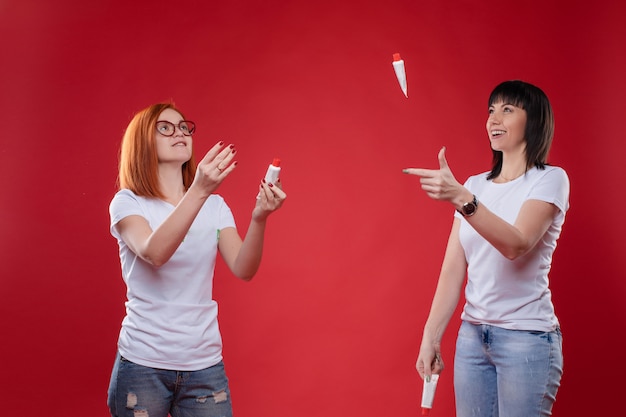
(140, 391)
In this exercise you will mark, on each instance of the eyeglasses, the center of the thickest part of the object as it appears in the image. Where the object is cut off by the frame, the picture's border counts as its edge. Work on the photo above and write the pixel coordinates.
(187, 127)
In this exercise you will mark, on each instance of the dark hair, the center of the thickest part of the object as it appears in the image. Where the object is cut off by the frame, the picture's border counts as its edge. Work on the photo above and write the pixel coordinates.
(539, 122)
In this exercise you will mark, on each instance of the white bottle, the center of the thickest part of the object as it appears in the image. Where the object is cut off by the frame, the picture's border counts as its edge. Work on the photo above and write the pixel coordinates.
(272, 171)
(428, 393)
(271, 176)
(398, 67)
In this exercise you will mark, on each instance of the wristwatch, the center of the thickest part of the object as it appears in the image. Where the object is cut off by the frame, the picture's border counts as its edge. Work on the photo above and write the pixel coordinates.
(469, 209)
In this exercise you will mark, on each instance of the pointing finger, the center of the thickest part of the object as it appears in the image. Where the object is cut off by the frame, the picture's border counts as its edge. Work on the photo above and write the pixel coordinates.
(419, 172)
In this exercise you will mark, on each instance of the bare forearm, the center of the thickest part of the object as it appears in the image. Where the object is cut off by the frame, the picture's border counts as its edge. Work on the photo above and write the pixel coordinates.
(443, 306)
(165, 239)
(512, 240)
(449, 285)
(249, 257)
(501, 235)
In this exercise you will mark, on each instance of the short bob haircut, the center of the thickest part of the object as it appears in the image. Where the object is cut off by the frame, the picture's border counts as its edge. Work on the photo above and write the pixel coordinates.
(138, 160)
(539, 122)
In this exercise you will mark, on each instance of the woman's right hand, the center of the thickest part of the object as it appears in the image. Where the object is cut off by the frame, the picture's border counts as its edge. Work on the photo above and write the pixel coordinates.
(216, 165)
(430, 354)
(440, 184)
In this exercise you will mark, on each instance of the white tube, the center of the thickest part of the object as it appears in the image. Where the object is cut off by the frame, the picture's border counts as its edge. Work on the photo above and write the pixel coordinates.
(398, 67)
(272, 171)
(271, 176)
(428, 394)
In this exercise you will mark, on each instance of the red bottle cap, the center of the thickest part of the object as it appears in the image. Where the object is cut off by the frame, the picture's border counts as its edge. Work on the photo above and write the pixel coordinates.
(396, 57)
(276, 162)
(425, 411)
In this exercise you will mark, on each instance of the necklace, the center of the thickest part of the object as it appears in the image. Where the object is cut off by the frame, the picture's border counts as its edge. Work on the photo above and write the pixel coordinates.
(510, 179)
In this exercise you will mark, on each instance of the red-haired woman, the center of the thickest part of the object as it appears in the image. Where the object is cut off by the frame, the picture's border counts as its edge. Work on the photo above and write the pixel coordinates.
(170, 225)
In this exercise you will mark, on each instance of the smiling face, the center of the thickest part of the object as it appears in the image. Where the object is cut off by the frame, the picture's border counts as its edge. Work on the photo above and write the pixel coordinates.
(175, 148)
(506, 127)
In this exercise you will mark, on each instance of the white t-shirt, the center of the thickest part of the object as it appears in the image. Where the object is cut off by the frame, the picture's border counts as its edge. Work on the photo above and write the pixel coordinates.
(171, 317)
(513, 294)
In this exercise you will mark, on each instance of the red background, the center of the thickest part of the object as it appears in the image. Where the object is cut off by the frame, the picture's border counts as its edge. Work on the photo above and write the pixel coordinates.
(331, 325)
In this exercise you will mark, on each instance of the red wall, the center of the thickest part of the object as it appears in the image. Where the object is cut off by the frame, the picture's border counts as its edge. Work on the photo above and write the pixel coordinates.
(331, 325)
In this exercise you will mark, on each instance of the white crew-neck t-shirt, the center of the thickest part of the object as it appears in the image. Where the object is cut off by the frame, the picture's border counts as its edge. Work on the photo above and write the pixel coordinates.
(513, 294)
(171, 317)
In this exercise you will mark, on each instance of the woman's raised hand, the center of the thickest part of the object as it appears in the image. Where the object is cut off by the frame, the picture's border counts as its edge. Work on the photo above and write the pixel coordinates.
(439, 184)
(214, 167)
(271, 198)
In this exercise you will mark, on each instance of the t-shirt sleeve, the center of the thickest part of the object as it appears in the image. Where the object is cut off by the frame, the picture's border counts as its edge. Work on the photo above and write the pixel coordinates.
(553, 187)
(124, 204)
(226, 218)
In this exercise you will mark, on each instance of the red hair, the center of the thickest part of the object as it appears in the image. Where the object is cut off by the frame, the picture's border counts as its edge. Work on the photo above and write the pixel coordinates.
(138, 161)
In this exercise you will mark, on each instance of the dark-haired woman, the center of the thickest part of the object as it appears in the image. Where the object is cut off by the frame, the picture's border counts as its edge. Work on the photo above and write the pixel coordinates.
(508, 359)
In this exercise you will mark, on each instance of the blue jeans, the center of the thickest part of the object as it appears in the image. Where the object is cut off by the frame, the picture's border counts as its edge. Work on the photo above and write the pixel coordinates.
(508, 373)
(140, 391)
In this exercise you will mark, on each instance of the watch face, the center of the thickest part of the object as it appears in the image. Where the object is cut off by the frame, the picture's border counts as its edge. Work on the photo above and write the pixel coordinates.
(469, 209)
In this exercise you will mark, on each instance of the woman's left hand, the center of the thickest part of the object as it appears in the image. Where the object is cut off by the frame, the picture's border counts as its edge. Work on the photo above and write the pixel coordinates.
(270, 199)
(439, 184)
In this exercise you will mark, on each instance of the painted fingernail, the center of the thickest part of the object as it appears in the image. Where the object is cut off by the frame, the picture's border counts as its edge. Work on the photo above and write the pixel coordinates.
(234, 151)
(221, 143)
(235, 163)
(263, 180)
(271, 185)
(231, 146)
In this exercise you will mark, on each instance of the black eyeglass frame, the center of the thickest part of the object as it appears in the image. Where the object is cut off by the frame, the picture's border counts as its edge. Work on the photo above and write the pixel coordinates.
(191, 127)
